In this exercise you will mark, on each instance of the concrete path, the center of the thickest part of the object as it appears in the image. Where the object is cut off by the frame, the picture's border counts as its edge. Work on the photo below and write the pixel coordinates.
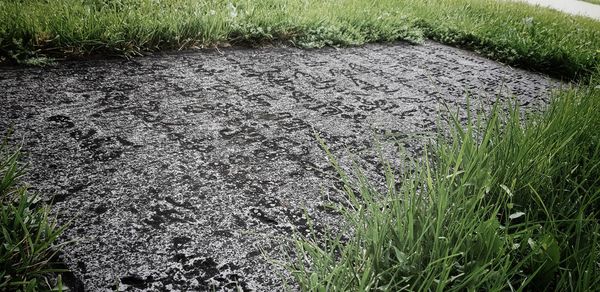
(570, 6)
(179, 171)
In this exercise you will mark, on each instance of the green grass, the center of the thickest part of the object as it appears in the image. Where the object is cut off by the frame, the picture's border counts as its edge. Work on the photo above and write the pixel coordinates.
(27, 234)
(507, 203)
(593, 1)
(538, 39)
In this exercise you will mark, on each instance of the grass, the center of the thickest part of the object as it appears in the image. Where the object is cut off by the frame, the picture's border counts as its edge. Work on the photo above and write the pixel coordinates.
(515, 33)
(27, 234)
(507, 204)
(593, 1)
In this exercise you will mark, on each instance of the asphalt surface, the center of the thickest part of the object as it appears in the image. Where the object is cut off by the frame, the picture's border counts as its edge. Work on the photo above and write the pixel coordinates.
(575, 7)
(192, 171)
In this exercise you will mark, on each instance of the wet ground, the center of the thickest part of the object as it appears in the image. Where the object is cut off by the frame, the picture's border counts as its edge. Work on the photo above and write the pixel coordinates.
(182, 171)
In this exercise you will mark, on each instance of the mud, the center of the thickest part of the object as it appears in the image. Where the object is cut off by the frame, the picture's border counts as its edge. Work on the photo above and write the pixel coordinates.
(187, 171)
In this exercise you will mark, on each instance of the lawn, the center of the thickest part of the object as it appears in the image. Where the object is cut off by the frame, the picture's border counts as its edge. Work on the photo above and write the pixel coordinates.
(515, 33)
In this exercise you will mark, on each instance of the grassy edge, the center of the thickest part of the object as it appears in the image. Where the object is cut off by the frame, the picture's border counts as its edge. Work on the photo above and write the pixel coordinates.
(514, 33)
(28, 234)
(506, 204)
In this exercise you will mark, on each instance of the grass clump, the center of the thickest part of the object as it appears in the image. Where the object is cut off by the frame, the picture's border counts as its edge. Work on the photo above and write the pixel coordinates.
(27, 234)
(508, 204)
(515, 33)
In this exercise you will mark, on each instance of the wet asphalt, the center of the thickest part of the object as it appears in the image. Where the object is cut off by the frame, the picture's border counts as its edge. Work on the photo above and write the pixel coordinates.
(192, 171)
(574, 7)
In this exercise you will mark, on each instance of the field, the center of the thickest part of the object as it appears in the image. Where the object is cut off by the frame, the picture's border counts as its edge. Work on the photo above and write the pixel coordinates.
(509, 202)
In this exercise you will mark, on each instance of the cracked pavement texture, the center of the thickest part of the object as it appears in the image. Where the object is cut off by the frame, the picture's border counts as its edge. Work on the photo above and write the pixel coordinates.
(186, 171)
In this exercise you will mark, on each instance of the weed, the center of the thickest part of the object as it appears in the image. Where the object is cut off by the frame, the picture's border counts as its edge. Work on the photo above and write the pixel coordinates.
(28, 235)
(506, 204)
